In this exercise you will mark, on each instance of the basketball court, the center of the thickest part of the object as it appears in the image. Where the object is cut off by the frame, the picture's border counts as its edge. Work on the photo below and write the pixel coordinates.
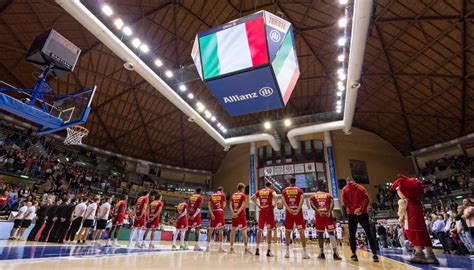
(125, 105)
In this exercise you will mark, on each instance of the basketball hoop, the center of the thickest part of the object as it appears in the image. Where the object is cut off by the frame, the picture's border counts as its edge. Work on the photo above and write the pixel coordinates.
(75, 135)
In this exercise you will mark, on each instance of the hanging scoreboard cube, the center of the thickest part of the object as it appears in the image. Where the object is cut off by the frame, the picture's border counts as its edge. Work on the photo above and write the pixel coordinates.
(249, 64)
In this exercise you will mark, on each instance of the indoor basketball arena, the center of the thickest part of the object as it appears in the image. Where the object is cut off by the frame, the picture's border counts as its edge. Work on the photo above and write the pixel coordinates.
(236, 134)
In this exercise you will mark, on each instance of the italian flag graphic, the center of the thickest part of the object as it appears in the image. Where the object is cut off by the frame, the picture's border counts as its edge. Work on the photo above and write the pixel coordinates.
(285, 66)
(235, 48)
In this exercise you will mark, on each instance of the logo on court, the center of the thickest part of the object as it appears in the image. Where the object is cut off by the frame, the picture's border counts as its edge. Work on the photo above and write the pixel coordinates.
(275, 36)
(265, 91)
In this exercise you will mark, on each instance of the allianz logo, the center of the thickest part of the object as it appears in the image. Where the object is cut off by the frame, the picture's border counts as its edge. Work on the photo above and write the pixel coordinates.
(264, 92)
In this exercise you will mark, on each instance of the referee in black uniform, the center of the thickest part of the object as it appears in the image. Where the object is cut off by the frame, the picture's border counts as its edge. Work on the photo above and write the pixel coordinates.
(50, 219)
(40, 219)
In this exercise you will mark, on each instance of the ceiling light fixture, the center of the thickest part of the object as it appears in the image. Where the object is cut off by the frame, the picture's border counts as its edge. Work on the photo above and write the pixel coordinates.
(267, 125)
(342, 22)
(127, 31)
(118, 23)
(107, 10)
(158, 63)
(341, 41)
(341, 58)
(200, 107)
(136, 42)
(190, 96)
(339, 94)
(182, 87)
(144, 48)
(287, 122)
(169, 74)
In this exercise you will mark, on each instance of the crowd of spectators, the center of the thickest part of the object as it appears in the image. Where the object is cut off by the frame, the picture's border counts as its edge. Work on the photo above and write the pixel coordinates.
(459, 163)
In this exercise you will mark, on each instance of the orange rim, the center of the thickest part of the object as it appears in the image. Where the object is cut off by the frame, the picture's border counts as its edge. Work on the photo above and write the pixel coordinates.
(80, 129)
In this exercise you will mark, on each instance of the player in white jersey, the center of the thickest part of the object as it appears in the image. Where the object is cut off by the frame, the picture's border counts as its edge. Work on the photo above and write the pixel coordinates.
(339, 231)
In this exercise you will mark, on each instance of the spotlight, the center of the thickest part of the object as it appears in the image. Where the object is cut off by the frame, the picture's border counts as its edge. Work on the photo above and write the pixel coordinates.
(338, 111)
(200, 107)
(127, 31)
(287, 122)
(144, 48)
(340, 71)
(341, 41)
(339, 94)
(136, 42)
(339, 107)
(190, 96)
(224, 130)
(342, 76)
(341, 57)
(158, 63)
(219, 125)
(182, 87)
(339, 102)
(341, 87)
(342, 22)
(118, 23)
(169, 74)
(213, 118)
(107, 10)
(343, 2)
(267, 125)
(340, 84)
(207, 114)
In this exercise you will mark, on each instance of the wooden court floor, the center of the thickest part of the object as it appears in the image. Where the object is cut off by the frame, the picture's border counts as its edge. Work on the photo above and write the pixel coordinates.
(166, 259)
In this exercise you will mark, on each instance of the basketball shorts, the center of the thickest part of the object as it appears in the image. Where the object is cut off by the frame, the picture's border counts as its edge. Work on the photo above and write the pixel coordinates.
(295, 220)
(218, 220)
(196, 222)
(118, 220)
(153, 224)
(240, 221)
(17, 223)
(139, 223)
(266, 218)
(182, 223)
(101, 224)
(88, 223)
(324, 223)
(26, 223)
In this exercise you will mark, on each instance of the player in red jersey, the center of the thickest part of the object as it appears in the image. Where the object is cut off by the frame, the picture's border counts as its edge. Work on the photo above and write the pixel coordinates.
(216, 206)
(194, 217)
(266, 216)
(139, 214)
(118, 215)
(237, 205)
(153, 221)
(323, 204)
(181, 225)
(293, 199)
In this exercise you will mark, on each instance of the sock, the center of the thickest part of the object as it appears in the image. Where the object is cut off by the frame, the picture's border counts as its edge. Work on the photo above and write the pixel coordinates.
(175, 236)
(132, 235)
(332, 239)
(182, 237)
(304, 249)
(140, 235)
(208, 244)
(115, 240)
(220, 244)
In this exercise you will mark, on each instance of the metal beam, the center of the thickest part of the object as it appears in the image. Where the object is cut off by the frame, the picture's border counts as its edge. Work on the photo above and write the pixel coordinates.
(464, 69)
(423, 18)
(397, 89)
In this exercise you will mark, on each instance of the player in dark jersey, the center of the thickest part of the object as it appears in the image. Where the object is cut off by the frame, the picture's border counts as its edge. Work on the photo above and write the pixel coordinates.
(216, 206)
(139, 215)
(293, 199)
(153, 222)
(266, 217)
(237, 205)
(194, 217)
(323, 204)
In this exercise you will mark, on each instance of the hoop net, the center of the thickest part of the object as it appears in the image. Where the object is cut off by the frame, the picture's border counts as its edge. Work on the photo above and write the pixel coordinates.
(75, 135)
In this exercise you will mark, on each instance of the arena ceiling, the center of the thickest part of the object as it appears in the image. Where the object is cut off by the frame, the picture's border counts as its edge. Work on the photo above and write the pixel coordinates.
(416, 82)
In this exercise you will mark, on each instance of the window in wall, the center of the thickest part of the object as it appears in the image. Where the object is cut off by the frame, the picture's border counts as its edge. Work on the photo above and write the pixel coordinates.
(319, 150)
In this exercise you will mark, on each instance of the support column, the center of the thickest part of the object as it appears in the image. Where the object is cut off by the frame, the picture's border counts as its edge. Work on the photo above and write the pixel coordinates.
(253, 179)
(415, 165)
(333, 186)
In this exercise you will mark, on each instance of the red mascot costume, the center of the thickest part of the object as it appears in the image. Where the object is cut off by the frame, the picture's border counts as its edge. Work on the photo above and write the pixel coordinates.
(410, 213)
